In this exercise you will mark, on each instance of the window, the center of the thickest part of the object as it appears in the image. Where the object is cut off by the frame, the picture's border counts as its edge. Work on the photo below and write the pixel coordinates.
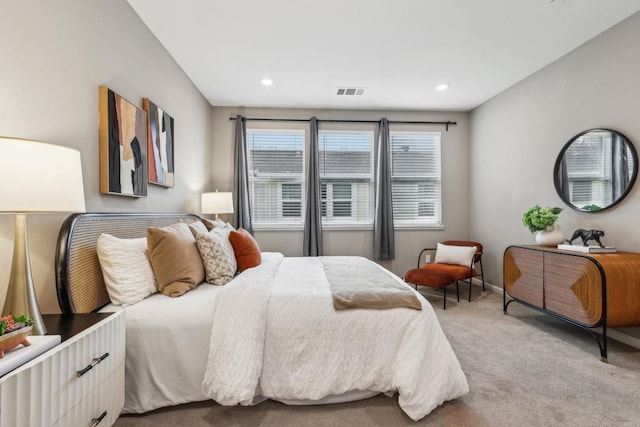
(276, 160)
(589, 164)
(346, 177)
(276, 176)
(415, 178)
(336, 200)
(292, 200)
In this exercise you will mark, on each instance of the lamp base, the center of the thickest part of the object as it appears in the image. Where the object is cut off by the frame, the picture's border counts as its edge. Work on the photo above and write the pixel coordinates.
(21, 294)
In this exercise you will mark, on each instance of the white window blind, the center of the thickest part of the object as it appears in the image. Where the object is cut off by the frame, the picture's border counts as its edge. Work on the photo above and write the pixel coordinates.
(346, 177)
(276, 176)
(415, 178)
(589, 170)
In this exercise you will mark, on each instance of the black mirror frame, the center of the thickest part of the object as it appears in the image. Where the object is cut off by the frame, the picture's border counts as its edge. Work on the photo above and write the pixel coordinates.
(556, 167)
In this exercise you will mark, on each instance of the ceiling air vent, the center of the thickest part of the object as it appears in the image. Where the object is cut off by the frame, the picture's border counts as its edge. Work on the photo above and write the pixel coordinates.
(350, 91)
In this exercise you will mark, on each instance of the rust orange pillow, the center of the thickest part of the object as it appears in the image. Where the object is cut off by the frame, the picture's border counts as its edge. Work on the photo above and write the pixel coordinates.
(246, 249)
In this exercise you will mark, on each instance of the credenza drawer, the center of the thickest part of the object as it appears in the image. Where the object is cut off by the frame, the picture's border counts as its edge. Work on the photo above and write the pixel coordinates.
(573, 288)
(524, 275)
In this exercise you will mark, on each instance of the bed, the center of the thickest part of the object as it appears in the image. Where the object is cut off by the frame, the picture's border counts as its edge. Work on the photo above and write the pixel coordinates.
(270, 333)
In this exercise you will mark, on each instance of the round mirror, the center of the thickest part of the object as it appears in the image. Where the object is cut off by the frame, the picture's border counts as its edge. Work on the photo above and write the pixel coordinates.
(595, 170)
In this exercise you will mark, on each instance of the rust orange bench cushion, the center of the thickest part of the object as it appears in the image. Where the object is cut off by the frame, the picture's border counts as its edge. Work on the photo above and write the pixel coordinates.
(437, 275)
(432, 275)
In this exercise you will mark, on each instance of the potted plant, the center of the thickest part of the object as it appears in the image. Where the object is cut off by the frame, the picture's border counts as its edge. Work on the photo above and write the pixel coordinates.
(14, 331)
(542, 223)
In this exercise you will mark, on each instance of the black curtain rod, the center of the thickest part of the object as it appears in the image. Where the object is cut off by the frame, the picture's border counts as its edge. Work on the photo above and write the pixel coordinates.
(404, 122)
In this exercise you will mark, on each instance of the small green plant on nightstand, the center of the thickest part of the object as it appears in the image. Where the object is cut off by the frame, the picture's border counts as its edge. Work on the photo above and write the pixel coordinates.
(9, 323)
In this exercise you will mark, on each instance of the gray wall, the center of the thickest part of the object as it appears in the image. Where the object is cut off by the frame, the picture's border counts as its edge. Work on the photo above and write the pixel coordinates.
(496, 163)
(517, 136)
(455, 180)
(54, 56)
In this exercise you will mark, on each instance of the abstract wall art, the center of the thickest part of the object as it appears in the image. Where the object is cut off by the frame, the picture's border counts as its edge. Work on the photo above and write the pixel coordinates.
(123, 146)
(160, 145)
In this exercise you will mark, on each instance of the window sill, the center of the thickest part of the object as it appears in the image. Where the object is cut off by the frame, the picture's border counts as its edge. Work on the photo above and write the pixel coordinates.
(419, 227)
(300, 227)
(278, 227)
(347, 227)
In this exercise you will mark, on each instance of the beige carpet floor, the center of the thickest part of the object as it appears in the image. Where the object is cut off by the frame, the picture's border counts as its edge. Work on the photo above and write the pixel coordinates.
(523, 369)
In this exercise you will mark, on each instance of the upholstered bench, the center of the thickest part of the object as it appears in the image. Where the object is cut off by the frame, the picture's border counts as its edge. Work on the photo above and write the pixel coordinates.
(434, 276)
(454, 261)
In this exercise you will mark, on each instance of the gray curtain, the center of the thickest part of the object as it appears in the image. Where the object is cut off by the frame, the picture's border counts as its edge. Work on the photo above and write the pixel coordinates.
(620, 168)
(313, 214)
(241, 204)
(383, 234)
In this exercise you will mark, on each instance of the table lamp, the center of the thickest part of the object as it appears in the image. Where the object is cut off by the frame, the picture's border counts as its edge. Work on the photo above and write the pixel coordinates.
(216, 203)
(35, 177)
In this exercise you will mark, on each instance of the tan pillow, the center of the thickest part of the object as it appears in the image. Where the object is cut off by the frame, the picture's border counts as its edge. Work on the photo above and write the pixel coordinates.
(175, 259)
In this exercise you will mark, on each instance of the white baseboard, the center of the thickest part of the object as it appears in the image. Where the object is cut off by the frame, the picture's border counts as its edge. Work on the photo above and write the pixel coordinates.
(488, 285)
(624, 338)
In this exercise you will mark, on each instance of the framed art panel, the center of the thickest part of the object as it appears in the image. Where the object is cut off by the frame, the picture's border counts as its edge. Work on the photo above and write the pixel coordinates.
(123, 146)
(160, 145)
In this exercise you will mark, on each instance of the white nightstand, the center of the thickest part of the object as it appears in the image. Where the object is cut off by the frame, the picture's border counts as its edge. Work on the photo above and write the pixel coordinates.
(79, 382)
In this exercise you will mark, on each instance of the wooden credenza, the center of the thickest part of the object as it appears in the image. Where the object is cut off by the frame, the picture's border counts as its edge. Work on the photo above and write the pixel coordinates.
(587, 290)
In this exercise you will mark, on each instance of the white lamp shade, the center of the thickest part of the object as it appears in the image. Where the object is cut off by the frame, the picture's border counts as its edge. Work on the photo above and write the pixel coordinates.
(217, 203)
(39, 177)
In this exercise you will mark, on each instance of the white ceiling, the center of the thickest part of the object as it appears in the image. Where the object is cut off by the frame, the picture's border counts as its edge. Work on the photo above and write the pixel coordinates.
(399, 50)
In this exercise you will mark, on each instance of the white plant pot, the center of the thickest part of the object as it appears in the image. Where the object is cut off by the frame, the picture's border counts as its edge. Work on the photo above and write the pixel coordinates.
(551, 236)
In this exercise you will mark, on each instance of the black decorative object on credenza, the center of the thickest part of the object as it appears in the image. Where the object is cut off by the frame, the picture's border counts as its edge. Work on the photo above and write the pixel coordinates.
(595, 170)
(586, 235)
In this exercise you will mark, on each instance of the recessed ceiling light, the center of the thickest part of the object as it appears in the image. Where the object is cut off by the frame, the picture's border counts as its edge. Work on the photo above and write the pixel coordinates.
(442, 86)
(266, 81)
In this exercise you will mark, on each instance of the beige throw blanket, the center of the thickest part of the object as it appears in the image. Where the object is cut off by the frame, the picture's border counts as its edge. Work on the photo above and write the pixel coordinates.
(359, 283)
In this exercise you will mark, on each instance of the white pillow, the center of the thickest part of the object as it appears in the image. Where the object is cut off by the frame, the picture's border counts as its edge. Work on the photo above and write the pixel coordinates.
(217, 255)
(460, 255)
(126, 269)
(197, 227)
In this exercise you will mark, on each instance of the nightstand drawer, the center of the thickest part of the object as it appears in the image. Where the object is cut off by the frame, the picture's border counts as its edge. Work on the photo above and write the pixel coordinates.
(101, 407)
(44, 390)
(88, 361)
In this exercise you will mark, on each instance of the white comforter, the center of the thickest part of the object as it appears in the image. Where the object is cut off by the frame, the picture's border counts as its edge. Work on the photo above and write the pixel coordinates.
(275, 334)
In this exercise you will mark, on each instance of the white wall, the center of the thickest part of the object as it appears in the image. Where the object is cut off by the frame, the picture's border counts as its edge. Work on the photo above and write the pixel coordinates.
(54, 56)
(517, 136)
(455, 180)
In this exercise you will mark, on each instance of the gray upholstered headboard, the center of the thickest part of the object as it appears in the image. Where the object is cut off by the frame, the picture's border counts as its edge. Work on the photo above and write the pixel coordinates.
(79, 281)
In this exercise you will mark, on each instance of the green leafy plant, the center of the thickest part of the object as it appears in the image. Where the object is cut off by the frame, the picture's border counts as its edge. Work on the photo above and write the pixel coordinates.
(591, 208)
(537, 218)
